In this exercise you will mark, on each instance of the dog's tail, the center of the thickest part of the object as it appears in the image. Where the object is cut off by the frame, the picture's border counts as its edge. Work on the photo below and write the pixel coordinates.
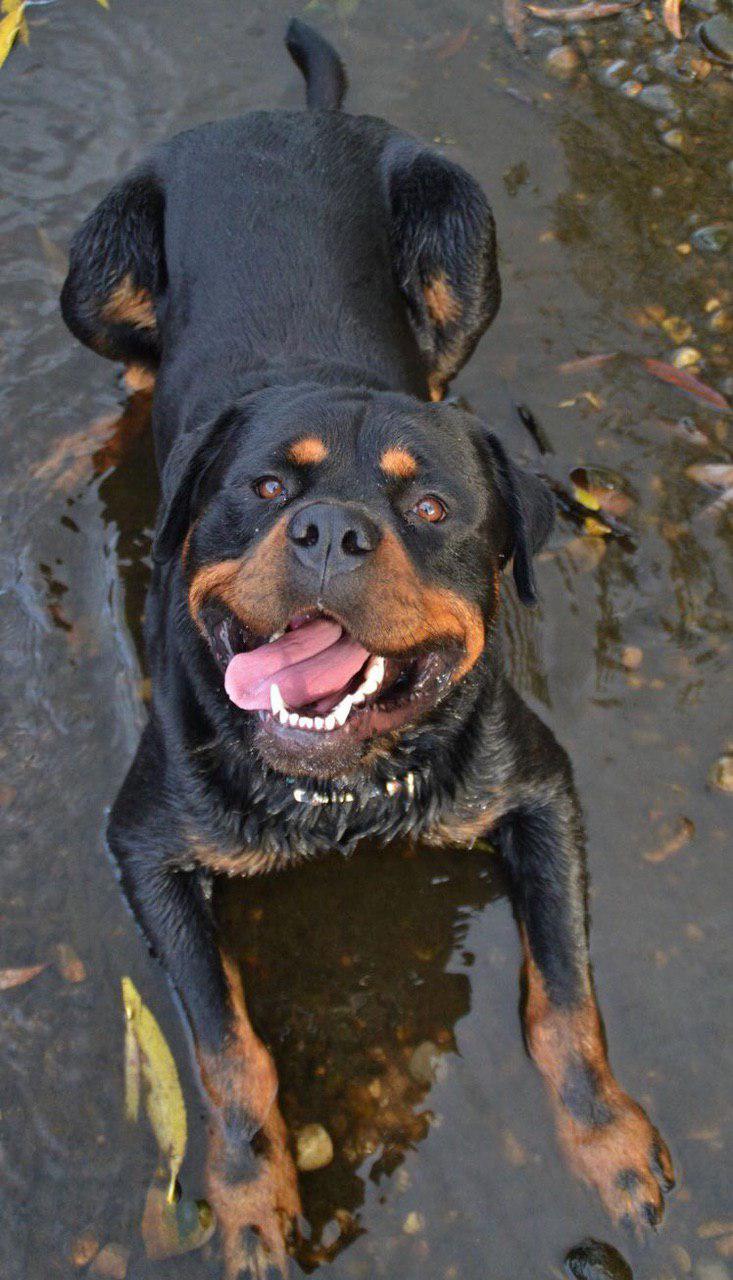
(323, 70)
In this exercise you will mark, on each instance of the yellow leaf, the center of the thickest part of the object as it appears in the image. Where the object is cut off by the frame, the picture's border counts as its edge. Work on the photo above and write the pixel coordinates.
(163, 1096)
(595, 528)
(586, 499)
(133, 1071)
(104, 3)
(9, 28)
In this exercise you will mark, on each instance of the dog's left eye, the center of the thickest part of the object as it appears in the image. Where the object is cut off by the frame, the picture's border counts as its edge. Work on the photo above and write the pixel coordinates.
(269, 487)
(430, 508)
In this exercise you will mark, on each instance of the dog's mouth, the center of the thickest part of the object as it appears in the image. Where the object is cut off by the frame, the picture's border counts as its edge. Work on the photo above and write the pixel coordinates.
(314, 682)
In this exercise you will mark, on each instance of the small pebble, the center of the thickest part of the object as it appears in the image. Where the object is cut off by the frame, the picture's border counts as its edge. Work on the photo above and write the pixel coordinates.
(596, 1260)
(676, 141)
(414, 1223)
(427, 1064)
(313, 1148)
(717, 36)
(712, 239)
(562, 62)
(685, 357)
(658, 97)
(721, 774)
(83, 1249)
(721, 321)
(632, 657)
(111, 1262)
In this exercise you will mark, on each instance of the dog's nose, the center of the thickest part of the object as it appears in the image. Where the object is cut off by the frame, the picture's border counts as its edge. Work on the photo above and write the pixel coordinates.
(332, 537)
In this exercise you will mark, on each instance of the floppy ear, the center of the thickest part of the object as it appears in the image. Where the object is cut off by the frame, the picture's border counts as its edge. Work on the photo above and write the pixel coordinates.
(188, 465)
(530, 511)
(444, 255)
(117, 273)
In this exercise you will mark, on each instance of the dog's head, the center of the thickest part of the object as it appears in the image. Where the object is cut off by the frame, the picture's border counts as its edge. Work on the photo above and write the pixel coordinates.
(340, 551)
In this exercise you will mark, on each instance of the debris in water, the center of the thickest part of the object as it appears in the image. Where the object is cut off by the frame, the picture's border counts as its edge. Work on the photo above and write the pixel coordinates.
(580, 12)
(596, 1260)
(671, 14)
(718, 475)
(153, 1065)
(313, 1148)
(170, 1229)
(675, 838)
(111, 1262)
(721, 774)
(10, 978)
(686, 382)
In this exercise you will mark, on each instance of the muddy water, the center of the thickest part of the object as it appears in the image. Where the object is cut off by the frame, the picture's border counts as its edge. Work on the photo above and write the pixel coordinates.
(353, 966)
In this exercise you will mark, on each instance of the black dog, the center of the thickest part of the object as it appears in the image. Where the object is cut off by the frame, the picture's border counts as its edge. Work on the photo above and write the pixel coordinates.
(321, 622)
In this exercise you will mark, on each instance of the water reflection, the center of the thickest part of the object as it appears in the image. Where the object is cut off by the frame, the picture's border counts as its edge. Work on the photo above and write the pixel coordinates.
(356, 976)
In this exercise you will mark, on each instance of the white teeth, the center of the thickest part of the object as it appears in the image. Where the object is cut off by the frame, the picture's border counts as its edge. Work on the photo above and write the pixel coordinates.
(276, 700)
(341, 712)
(373, 677)
(276, 636)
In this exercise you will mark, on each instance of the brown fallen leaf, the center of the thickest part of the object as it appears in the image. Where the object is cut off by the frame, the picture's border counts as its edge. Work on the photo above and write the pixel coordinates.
(515, 21)
(580, 12)
(111, 1262)
(70, 966)
(671, 14)
(719, 475)
(170, 1229)
(586, 362)
(686, 382)
(675, 839)
(10, 978)
(453, 44)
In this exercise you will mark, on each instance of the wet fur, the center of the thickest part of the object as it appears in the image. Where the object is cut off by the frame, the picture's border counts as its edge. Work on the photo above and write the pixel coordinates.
(376, 297)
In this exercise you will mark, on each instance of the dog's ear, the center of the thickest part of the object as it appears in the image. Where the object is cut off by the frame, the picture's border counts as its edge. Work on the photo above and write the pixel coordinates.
(117, 273)
(188, 466)
(530, 512)
(444, 255)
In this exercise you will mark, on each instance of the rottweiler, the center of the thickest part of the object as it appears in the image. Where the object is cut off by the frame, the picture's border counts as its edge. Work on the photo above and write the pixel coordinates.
(321, 625)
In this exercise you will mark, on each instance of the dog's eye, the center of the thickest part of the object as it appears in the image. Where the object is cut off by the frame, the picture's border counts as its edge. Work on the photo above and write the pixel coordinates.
(269, 487)
(430, 508)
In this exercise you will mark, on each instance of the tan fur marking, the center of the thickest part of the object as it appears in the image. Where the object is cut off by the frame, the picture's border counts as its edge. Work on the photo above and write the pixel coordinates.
(129, 304)
(244, 1076)
(440, 300)
(398, 463)
(307, 452)
(600, 1154)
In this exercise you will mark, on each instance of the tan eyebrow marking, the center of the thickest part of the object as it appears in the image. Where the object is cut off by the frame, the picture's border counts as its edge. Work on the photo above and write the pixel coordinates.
(308, 451)
(440, 300)
(398, 462)
(130, 305)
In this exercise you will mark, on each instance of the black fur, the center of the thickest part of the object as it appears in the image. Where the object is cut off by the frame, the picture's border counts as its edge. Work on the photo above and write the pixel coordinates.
(286, 257)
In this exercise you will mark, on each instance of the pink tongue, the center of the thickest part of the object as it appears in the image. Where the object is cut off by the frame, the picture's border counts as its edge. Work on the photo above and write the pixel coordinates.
(311, 662)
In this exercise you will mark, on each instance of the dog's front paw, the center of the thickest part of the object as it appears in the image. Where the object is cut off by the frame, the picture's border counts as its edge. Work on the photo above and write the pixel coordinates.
(627, 1162)
(255, 1199)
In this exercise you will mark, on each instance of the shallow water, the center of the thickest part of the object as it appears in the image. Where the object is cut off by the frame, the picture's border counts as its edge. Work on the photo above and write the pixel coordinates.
(352, 964)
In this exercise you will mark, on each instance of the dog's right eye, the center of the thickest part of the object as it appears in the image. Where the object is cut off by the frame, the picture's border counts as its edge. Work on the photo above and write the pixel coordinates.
(269, 487)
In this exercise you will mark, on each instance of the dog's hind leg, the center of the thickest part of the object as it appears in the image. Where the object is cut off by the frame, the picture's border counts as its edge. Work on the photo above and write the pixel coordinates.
(610, 1141)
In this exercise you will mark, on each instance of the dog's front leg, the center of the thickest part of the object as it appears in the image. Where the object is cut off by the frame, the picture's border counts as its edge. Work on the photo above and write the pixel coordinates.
(610, 1141)
(251, 1178)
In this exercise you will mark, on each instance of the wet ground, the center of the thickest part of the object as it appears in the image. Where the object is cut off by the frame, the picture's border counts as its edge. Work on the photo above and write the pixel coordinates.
(351, 967)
